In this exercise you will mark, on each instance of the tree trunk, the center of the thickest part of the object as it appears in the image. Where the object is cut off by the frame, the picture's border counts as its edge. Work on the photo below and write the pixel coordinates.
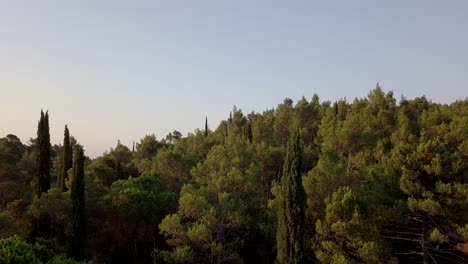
(425, 254)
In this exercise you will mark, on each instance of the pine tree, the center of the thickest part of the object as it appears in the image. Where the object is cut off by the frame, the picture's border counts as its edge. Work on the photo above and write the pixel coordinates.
(206, 127)
(67, 160)
(41, 180)
(78, 228)
(292, 200)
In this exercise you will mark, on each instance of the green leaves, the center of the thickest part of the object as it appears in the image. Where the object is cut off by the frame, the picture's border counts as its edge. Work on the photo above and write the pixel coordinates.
(437, 237)
(77, 237)
(8, 227)
(55, 203)
(41, 180)
(13, 250)
(291, 206)
(203, 225)
(427, 205)
(380, 180)
(346, 235)
(141, 198)
(193, 202)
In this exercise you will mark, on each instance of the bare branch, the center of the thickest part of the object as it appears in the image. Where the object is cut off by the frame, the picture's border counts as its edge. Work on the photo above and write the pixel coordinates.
(427, 251)
(403, 238)
(448, 252)
(409, 253)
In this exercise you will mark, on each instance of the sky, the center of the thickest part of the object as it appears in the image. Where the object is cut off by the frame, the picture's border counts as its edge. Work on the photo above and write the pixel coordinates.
(119, 70)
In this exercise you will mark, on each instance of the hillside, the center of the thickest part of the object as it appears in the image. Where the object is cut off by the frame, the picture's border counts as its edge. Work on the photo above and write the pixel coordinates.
(368, 181)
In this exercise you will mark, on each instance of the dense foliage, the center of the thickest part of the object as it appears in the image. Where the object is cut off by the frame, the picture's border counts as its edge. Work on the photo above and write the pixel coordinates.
(291, 207)
(77, 194)
(372, 181)
(67, 156)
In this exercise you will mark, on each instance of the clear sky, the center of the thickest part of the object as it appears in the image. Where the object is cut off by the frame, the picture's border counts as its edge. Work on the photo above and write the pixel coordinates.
(122, 69)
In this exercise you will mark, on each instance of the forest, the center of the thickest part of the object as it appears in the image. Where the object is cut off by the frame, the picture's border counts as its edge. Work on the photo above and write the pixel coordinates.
(375, 180)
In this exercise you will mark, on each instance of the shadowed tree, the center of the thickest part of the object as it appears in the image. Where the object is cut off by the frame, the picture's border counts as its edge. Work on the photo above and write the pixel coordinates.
(206, 126)
(67, 161)
(78, 228)
(41, 180)
(292, 200)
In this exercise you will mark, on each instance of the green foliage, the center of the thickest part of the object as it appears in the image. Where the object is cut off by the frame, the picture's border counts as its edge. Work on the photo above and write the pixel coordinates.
(283, 120)
(141, 198)
(173, 167)
(67, 159)
(56, 206)
(12, 149)
(41, 181)
(128, 214)
(145, 151)
(8, 226)
(345, 235)
(292, 203)
(78, 223)
(103, 170)
(216, 216)
(322, 181)
(383, 182)
(120, 157)
(15, 251)
(12, 181)
(437, 237)
(262, 127)
(213, 229)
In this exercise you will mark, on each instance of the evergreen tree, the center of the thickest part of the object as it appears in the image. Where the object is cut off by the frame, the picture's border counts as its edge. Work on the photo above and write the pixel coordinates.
(206, 127)
(41, 180)
(292, 201)
(78, 229)
(284, 121)
(67, 157)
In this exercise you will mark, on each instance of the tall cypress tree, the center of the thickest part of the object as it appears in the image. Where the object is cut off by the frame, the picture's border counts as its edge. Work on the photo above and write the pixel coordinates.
(67, 161)
(206, 127)
(78, 228)
(292, 201)
(41, 180)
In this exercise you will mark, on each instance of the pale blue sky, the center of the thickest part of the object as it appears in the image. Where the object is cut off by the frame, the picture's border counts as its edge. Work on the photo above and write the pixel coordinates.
(122, 69)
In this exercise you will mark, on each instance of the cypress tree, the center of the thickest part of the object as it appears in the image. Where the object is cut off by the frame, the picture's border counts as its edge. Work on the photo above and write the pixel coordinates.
(291, 212)
(67, 157)
(206, 127)
(78, 228)
(41, 180)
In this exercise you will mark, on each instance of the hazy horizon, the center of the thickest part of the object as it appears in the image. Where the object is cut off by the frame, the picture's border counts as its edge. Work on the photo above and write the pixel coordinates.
(121, 71)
